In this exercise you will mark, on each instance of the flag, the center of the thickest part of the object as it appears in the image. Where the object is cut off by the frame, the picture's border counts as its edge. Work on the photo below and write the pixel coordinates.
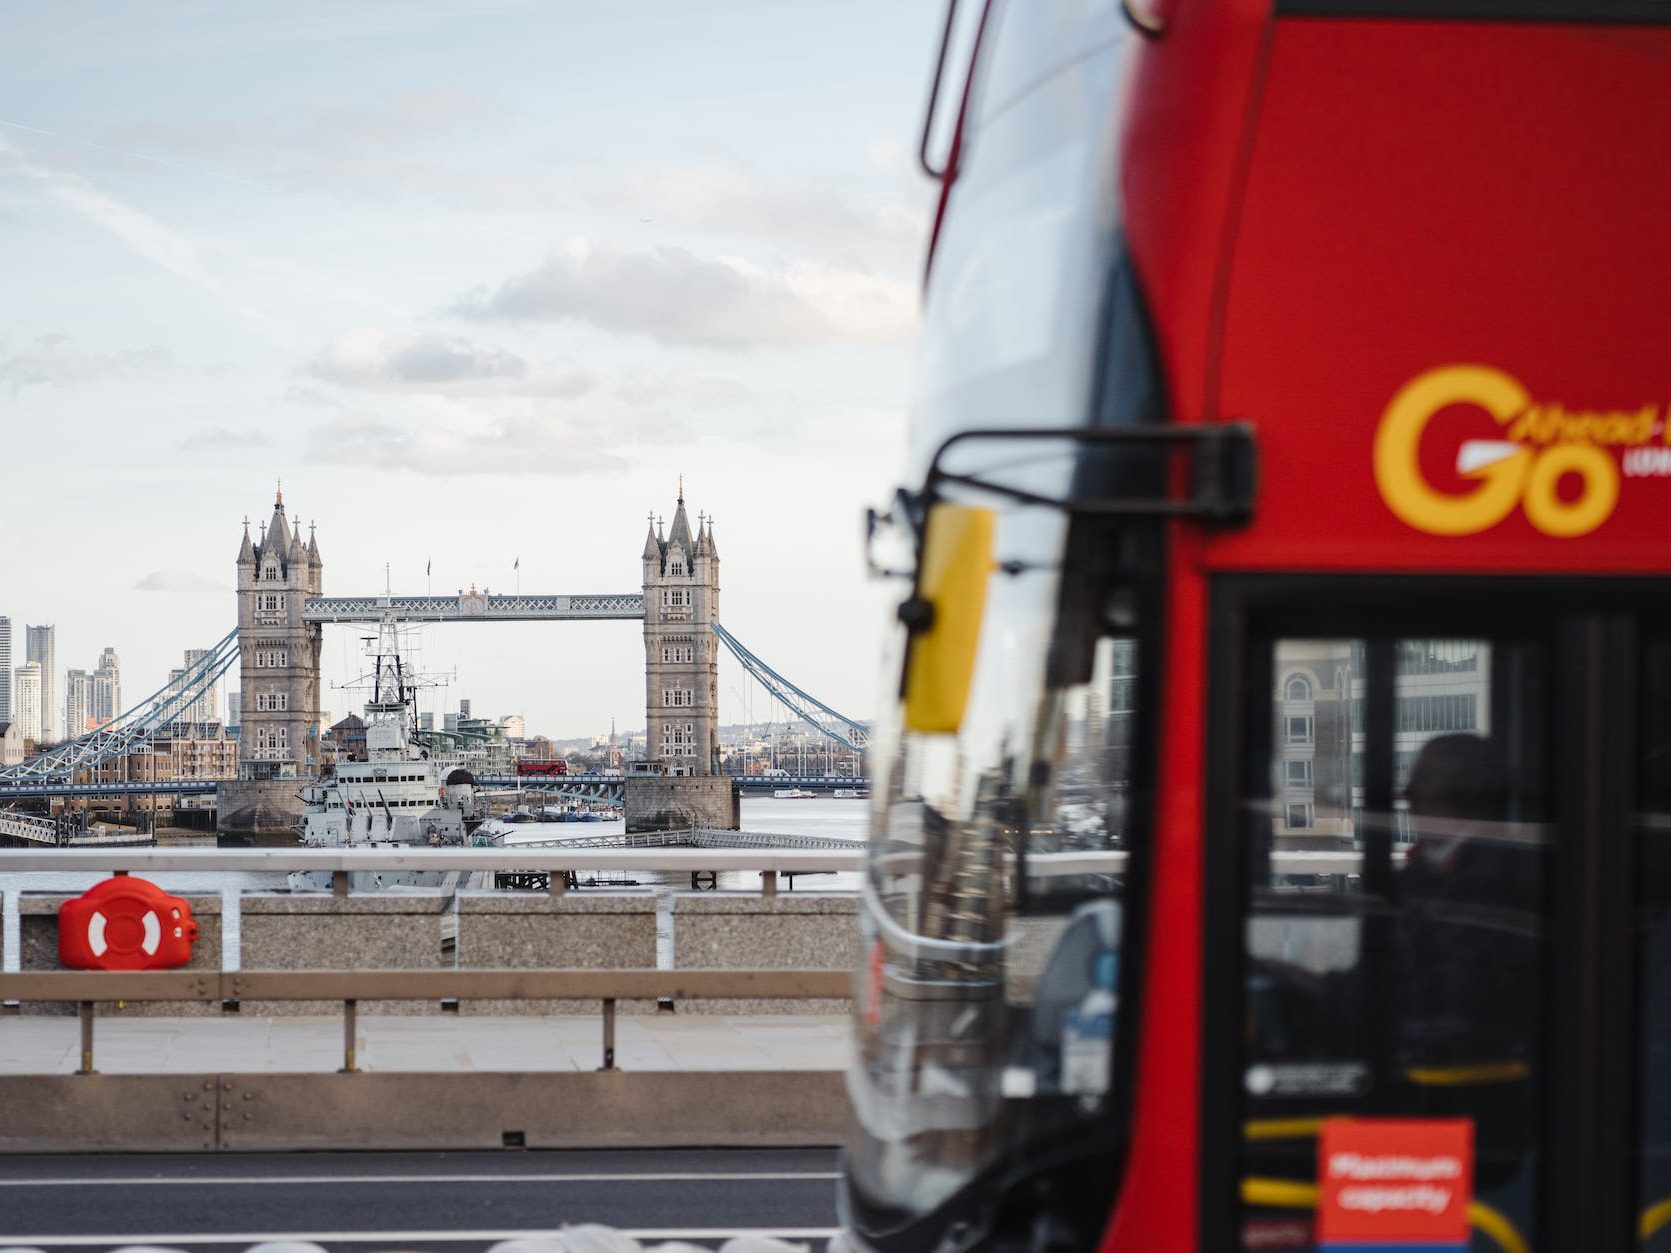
(518, 563)
(428, 566)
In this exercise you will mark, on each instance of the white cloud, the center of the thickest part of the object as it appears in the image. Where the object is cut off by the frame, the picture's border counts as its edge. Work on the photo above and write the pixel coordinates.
(542, 445)
(224, 439)
(815, 216)
(178, 581)
(676, 297)
(52, 359)
(367, 359)
(169, 250)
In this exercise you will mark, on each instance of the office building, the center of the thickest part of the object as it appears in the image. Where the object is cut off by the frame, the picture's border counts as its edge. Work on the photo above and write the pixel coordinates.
(41, 647)
(6, 670)
(107, 688)
(26, 699)
(78, 704)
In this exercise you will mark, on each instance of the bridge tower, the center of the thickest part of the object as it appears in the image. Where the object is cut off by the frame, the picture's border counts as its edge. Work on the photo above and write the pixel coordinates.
(278, 653)
(681, 652)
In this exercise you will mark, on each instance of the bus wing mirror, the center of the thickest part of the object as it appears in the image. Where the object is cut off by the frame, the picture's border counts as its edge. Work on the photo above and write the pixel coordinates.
(944, 616)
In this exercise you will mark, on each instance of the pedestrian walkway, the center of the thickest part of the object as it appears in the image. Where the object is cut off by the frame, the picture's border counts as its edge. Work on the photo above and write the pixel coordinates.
(238, 1044)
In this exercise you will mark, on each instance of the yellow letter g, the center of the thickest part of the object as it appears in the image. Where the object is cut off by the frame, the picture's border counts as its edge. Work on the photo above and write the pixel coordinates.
(1398, 444)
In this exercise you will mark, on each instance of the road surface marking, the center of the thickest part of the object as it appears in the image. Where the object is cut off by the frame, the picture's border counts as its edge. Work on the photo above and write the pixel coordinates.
(251, 1180)
(426, 1237)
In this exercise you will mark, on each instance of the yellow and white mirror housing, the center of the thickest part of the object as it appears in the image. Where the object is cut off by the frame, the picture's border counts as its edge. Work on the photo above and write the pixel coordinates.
(952, 577)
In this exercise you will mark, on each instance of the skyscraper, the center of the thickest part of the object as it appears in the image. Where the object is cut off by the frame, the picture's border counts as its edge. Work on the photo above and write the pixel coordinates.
(5, 670)
(234, 709)
(206, 706)
(107, 687)
(26, 699)
(78, 703)
(41, 646)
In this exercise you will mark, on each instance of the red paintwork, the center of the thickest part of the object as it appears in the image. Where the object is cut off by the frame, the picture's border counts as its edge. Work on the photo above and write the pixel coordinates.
(1422, 194)
(125, 923)
(1181, 148)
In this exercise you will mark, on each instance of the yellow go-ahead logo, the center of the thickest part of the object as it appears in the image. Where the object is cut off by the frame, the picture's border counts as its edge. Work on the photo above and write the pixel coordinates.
(1540, 446)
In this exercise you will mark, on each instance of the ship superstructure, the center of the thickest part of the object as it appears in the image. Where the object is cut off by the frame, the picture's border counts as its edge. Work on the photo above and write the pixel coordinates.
(399, 792)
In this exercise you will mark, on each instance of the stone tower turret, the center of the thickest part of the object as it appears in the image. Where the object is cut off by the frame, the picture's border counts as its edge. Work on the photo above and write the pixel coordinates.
(278, 652)
(681, 651)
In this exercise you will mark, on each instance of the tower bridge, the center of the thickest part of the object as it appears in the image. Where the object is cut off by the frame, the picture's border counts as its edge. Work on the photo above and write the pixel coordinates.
(282, 611)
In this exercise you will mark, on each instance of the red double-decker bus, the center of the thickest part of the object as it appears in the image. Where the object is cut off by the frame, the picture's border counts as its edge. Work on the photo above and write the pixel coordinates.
(1272, 842)
(545, 768)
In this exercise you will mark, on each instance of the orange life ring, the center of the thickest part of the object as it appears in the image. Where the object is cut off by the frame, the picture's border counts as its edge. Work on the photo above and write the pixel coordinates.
(125, 923)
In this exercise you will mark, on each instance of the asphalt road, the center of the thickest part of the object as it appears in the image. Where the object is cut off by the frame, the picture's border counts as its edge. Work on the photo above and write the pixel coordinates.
(361, 1202)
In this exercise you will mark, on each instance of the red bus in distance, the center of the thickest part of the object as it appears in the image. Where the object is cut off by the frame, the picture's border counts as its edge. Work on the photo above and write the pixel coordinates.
(542, 768)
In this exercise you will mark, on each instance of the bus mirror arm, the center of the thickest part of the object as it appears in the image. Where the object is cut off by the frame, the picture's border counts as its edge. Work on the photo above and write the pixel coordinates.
(1222, 482)
(908, 510)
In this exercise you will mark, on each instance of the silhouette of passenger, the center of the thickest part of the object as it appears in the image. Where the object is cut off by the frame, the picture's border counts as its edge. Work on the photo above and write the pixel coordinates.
(1470, 891)
(1470, 953)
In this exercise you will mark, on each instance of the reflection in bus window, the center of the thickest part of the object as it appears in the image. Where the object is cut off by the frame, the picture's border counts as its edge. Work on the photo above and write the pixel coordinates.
(1654, 955)
(1393, 953)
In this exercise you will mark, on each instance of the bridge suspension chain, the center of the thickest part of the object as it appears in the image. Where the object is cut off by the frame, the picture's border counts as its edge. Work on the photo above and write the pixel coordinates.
(134, 728)
(802, 704)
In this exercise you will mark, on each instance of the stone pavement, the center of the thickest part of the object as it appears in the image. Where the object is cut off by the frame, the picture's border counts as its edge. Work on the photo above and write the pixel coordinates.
(243, 1043)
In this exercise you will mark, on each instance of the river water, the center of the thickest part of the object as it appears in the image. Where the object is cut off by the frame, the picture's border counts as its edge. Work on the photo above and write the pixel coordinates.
(821, 816)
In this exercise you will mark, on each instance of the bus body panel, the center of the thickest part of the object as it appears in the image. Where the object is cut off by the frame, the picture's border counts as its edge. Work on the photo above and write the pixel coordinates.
(1445, 309)
(1187, 125)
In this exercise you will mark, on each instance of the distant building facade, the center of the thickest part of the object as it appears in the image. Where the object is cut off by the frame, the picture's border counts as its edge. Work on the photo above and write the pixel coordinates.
(78, 704)
(681, 652)
(107, 688)
(41, 647)
(6, 670)
(26, 699)
(205, 707)
(11, 743)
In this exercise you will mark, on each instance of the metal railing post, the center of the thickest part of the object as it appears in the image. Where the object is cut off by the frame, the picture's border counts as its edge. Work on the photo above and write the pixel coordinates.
(84, 1011)
(339, 883)
(350, 1021)
(608, 1033)
(558, 882)
(768, 884)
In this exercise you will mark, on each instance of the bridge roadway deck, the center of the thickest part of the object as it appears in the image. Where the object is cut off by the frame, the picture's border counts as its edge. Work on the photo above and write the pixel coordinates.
(466, 1043)
(430, 1201)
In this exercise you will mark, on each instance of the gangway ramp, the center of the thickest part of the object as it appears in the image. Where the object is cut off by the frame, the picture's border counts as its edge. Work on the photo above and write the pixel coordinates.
(693, 837)
(29, 828)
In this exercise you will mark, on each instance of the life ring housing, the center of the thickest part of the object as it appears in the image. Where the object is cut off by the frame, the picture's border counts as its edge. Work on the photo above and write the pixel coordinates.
(125, 924)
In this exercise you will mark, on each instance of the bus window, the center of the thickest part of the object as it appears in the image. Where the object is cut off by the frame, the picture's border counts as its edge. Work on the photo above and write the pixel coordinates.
(1393, 937)
(1654, 951)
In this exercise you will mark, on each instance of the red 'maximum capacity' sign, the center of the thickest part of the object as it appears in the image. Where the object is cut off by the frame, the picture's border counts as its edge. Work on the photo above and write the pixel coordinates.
(1396, 1182)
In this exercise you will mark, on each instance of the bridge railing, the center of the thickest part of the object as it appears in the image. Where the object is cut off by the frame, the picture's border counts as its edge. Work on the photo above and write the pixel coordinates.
(87, 989)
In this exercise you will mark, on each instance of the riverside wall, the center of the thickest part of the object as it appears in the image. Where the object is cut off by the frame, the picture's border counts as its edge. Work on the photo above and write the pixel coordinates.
(672, 804)
(258, 811)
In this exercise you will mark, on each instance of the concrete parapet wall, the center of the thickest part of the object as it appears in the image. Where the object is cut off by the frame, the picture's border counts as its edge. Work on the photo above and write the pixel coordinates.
(671, 804)
(381, 931)
(744, 931)
(37, 916)
(554, 1109)
(258, 810)
(577, 931)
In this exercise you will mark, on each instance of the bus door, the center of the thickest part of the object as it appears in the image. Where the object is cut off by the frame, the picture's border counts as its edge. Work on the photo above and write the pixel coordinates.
(1420, 993)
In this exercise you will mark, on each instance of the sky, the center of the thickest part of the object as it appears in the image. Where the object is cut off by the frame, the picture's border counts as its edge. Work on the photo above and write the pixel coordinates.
(478, 281)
